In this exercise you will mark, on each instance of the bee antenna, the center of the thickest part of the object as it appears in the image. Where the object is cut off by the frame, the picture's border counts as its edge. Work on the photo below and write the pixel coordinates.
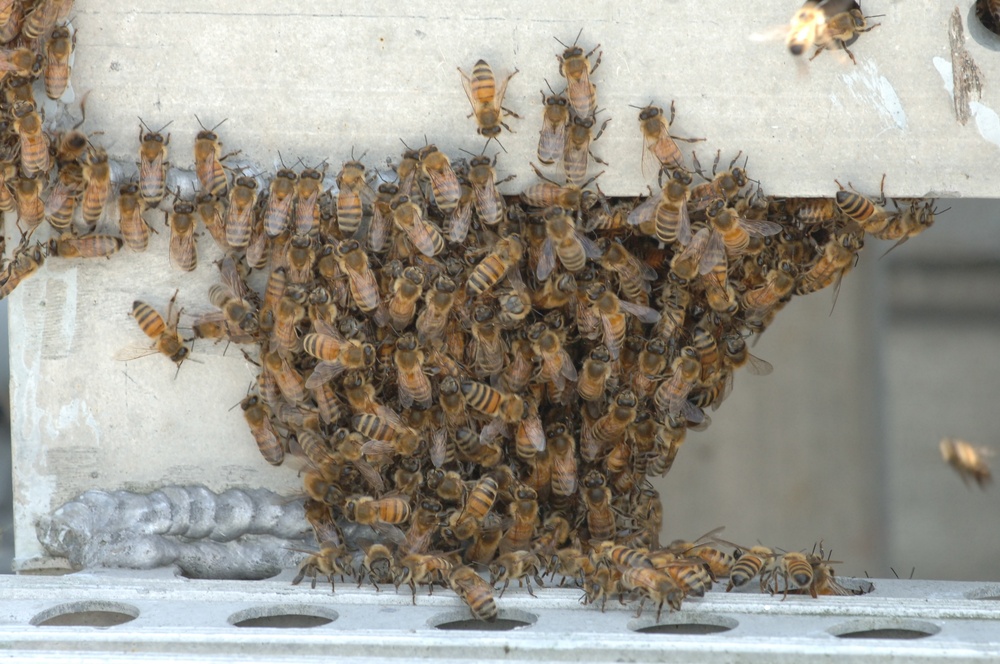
(83, 109)
(199, 121)
(561, 42)
(219, 125)
(577, 37)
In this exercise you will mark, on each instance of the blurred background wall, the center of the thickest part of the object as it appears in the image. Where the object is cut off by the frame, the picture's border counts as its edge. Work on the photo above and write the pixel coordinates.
(840, 441)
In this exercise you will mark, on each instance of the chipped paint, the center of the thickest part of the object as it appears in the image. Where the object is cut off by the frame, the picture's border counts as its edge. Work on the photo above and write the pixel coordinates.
(868, 85)
(987, 120)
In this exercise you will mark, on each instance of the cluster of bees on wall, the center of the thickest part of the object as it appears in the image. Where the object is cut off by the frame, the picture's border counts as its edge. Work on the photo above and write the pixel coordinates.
(486, 381)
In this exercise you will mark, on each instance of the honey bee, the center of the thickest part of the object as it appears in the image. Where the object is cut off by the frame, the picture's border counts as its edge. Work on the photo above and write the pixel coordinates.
(21, 62)
(336, 355)
(690, 574)
(97, 181)
(162, 331)
(353, 192)
(608, 553)
(870, 215)
(434, 316)
(657, 139)
(842, 28)
(436, 166)
(258, 417)
(286, 315)
(557, 365)
(474, 591)
(58, 49)
(280, 198)
(44, 16)
(521, 566)
(576, 151)
(153, 164)
(613, 314)
(288, 379)
(30, 207)
(794, 571)
(812, 210)
(725, 185)
(414, 386)
(406, 290)
(486, 98)
(236, 310)
(377, 564)
(307, 193)
(134, 229)
(516, 377)
(751, 562)
(633, 275)
(671, 396)
(718, 562)
(836, 260)
(24, 263)
(552, 138)
(33, 141)
(668, 211)
(382, 217)
(524, 512)
(11, 19)
(366, 510)
(239, 213)
(609, 427)
(735, 232)
(363, 286)
(329, 561)
(183, 252)
(576, 69)
(501, 262)
(324, 526)
(386, 428)
(969, 461)
(208, 161)
(595, 373)
(427, 569)
(564, 242)
(562, 450)
(761, 301)
(8, 173)
(808, 25)
(490, 348)
(211, 211)
(652, 362)
(424, 235)
(488, 203)
(597, 500)
(70, 245)
(478, 504)
(423, 526)
(655, 586)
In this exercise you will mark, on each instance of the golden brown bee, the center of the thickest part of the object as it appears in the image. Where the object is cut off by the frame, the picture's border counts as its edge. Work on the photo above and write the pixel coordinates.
(211, 211)
(794, 571)
(353, 193)
(576, 151)
(609, 427)
(613, 314)
(70, 245)
(434, 316)
(778, 284)
(376, 565)
(486, 98)
(24, 264)
(21, 62)
(368, 511)
(837, 258)
(725, 185)
(134, 229)
(521, 566)
(668, 211)
(490, 348)
(812, 210)
(183, 252)
(750, 563)
(30, 207)
(474, 591)
(482, 178)
(654, 585)
(427, 569)
(44, 16)
(299, 259)
(576, 69)
(162, 331)
(552, 138)
(307, 193)
(633, 275)
(436, 166)
(718, 562)
(556, 364)
(281, 197)
(363, 286)
(381, 222)
(11, 19)
(406, 292)
(414, 386)
(502, 261)
(671, 395)
(409, 219)
(208, 161)
(97, 181)
(564, 242)
(239, 214)
(8, 174)
(258, 417)
(423, 526)
(34, 143)
(236, 310)
(842, 28)
(594, 375)
(58, 49)
(657, 139)
(807, 26)
(286, 315)
(329, 561)
(597, 500)
(153, 164)
(289, 380)
(969, 461)
(524, 512)
(652, 362)
(478, 504)
(735, 232)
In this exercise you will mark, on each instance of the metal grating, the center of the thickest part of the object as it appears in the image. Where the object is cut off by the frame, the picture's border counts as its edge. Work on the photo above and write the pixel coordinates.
(167, 617)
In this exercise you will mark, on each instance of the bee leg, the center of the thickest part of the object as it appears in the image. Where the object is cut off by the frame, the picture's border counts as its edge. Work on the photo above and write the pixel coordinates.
(413, 591)
(659, 610)
(511, 113)
(642, 603)
(597, 63)
(843, 45)
(372, 579)
(527, 584)
(597, 159)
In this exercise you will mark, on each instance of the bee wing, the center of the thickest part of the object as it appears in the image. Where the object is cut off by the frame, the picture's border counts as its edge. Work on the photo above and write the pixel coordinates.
(459, 222)
(565, 466)
(135, 352)
(575, 162)
(610, 341)
(488, 202)
(491, 431)
(757, 366)
(645, 272)
(181, 249)
(551, 142)
(376, 448)
(439, 447)
(370, 475)
(390, 532)
(684, 227)
(366, 285)
(714, 255)
(643, 313)
(515, 279)
(444, 179)
(378, 232)
(568, 369)
(467, 84)
(422, 233)
(590, 247)
(760, 228)
(406, 396)
(324, 327)
(644, 212)
(691, 412)
(547, 261)
(531, 428)
(324, 373)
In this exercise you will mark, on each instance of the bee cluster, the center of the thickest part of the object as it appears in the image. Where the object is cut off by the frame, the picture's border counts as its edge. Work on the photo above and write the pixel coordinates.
(486, 381)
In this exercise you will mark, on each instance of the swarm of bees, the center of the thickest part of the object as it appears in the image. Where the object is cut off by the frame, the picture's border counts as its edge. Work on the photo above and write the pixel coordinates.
(488, 382)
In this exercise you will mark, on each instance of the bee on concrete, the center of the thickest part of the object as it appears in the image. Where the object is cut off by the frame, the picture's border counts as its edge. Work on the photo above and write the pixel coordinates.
(575, 67)
(153, 164)
(486, 98)
(208, 160)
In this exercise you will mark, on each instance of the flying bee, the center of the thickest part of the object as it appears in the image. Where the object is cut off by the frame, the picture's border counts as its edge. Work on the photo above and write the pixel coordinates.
(162, 331)
(488, 202)
(58, 49)
(70, 245)
(474, 591)
(280, 199)
(29, 203)
(593, 377)
(597, 500)
(153, 164)
(613, 314)
(969, 461)
(658, 142)
(633, 275)
(502, 261)
(576, 151)
(183, 252)
(363, 286)
(486, 98)
(307, 192)
(134, 229)
(414, 386)
(33, 141)
(409, 219)
(353, 192)
(564, 242)
(576, 69)
(668, 211)
(842, 28)
(552, 138)
(406, 291)
(258, 417)
(208, 161)
(436, 166)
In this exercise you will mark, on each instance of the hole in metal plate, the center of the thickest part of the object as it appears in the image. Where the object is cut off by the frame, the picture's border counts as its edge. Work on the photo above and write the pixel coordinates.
(86, 614)
(682, 623)
(284, 616)
(507, 620)
(884, 628)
